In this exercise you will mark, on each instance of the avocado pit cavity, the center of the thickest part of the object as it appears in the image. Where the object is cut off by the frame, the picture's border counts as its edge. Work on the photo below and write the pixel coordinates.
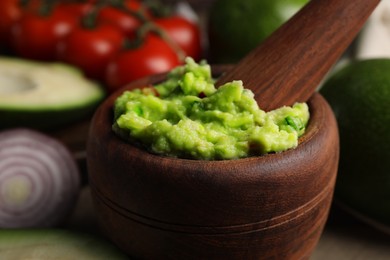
(10, 84)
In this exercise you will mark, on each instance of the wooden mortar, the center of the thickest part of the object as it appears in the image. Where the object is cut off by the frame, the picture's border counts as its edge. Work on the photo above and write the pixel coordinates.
(267, 207)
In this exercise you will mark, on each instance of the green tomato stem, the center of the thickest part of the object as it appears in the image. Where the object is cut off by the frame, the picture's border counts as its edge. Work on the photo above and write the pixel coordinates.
(151, 27)
(89, 20)
(164, 35)
(24, 3)
(148, 25)
(46, 7)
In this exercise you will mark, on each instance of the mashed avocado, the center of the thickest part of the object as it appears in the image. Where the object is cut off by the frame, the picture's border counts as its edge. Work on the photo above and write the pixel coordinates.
(187, 117)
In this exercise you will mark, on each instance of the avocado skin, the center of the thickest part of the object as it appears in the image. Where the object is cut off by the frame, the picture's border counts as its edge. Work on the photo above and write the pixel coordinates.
(46, 119)
(359, 95)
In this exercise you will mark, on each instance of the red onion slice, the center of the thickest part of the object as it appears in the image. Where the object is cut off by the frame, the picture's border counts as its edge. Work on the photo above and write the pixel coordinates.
(39, 180)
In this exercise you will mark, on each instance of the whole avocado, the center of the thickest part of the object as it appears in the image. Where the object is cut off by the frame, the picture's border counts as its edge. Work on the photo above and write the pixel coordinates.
(235, 27)
(359, 94)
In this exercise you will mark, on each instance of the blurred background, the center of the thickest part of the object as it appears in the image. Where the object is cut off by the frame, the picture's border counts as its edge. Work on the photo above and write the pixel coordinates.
(103, 45)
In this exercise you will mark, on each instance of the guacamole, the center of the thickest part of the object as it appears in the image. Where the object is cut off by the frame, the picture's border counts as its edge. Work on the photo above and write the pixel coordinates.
(186, 116)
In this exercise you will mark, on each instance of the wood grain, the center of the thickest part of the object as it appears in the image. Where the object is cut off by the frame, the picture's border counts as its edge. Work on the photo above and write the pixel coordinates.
(288, 66)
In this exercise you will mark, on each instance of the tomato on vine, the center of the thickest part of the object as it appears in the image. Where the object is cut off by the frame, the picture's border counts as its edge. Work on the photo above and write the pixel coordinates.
(90, 35)
(35, 35)
(91, 48)
(76, 8)
(185, 33)
(128, 17)
(153, 56)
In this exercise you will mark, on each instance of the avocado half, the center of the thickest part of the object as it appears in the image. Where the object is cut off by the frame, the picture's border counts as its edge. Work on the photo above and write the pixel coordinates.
(44, 95)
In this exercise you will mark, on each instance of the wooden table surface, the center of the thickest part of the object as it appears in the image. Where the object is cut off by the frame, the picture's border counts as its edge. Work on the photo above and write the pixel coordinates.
(344, 237)
(347, 238)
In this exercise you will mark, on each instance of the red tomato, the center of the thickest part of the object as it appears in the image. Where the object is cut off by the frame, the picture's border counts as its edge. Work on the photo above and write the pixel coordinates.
(78, 9)
(91, 48)
(152, 57)
(10, 12)
(126, 22)
(185, 33)
(35, 37)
